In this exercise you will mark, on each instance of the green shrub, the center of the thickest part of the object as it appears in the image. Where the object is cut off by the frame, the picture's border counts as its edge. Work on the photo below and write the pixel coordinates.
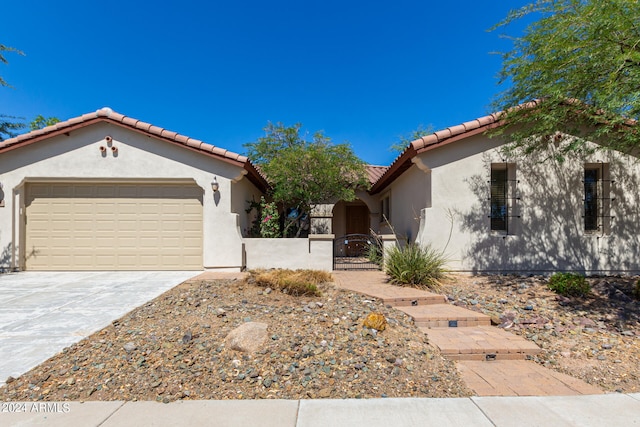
(569, 284)
(374, 254)
(414, 265)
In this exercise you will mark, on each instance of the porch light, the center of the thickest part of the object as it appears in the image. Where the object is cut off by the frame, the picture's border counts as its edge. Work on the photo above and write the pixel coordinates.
(214, 185)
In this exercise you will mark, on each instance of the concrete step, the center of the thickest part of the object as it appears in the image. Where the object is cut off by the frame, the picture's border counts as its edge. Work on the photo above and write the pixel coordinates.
(520, 378)
(480, 343)
(445, 316)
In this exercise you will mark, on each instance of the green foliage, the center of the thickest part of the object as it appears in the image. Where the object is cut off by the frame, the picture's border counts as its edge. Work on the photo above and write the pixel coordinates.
(9, 127)
(42, 122)
(374, 254)
(293, 282)
(569, 284)
(3, 60)
(404, 140)
(8, 124)
(417, 266)
(269, 220)
(581, 61)
(306, 172)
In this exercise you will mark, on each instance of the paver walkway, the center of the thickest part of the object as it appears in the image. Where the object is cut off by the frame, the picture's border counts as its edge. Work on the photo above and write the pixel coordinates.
(490, 360)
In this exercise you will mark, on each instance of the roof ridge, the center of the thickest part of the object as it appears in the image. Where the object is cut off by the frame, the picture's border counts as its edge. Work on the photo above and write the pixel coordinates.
(130, 122)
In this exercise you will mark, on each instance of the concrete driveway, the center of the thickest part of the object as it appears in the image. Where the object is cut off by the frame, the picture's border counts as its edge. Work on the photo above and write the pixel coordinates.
(43, 312)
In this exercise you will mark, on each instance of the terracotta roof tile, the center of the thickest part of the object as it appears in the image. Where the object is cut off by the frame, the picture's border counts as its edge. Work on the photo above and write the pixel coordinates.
(375, 172)
(168, 134)
(129, 121)
(182, 139)
(195, 143)
(457, 130)
(219, 151)
(143, 126)
(108, 115)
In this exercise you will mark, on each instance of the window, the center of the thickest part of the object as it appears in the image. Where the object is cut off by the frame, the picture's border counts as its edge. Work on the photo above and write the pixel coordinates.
(499, 209)
(503, 196)
(591, 199)
(385, 208)
(597, 200)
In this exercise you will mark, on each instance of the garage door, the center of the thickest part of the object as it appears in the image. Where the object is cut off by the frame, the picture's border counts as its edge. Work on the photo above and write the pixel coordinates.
(113, 227)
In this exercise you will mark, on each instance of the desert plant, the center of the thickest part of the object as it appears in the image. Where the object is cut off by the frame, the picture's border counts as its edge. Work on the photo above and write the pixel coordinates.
(293, 282)
(415, 265)
(569, 284)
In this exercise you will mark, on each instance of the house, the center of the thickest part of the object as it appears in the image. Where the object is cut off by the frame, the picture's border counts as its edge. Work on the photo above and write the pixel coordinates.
(105, 191)
(108, 192)
(458, 191)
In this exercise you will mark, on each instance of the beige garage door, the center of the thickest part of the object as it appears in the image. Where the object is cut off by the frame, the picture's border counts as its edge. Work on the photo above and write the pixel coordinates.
(113, 227)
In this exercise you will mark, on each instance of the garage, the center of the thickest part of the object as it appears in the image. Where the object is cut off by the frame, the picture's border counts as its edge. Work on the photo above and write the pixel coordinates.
(107, 226)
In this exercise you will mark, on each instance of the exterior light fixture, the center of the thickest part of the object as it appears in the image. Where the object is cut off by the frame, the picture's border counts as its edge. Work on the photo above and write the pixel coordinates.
(214, 185)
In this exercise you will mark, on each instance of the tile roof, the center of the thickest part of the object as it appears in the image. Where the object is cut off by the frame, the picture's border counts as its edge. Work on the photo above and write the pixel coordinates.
(463, 129)
(433, 140)
(108, 115)
(375, 172)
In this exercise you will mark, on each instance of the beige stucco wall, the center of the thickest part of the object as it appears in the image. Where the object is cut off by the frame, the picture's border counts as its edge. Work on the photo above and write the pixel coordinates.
(314, 252)
(242, 193)
(550, 234)
(139, 157)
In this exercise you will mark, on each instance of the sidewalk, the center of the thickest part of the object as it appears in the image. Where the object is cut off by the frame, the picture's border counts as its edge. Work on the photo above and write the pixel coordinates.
(600, 410)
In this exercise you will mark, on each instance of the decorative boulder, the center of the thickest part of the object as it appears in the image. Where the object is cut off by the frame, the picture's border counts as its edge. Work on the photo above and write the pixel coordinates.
(248, 337)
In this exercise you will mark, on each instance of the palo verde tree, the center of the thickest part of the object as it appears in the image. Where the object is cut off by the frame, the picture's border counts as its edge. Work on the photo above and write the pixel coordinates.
(8, 124)
(304, 172)
(404, 140)
(576, 70)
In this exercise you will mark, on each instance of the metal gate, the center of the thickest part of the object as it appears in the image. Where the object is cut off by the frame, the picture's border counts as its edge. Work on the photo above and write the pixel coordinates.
(357, 252)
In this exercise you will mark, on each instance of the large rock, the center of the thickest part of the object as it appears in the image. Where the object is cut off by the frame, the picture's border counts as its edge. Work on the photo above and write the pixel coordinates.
(248, 337)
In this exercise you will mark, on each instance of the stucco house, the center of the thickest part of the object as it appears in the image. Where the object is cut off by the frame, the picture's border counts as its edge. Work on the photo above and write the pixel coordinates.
(109, 192)
(456, 190)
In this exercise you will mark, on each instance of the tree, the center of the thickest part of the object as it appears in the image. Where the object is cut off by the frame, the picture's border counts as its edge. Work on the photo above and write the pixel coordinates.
(8, 124)
(42, 122)
(4, 48)
(404, 140)
(575, 70)
(304, 172)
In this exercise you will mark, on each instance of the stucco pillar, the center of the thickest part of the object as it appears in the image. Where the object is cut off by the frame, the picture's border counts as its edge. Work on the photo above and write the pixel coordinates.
(321, 218)
(388, 241)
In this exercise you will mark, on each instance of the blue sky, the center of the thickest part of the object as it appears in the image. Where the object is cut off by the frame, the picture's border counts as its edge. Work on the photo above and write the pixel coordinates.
(364, 72)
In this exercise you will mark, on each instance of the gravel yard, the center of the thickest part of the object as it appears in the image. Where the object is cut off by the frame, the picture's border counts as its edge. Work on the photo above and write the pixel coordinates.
(174, 348)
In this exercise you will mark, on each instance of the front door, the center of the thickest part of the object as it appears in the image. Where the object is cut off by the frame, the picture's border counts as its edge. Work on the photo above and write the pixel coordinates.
(357, 219)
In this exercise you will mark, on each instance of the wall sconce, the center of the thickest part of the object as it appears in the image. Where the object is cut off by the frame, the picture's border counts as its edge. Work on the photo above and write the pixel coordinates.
(214, 185)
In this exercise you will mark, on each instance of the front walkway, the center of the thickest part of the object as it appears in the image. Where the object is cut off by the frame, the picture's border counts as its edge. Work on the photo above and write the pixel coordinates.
(491, 361)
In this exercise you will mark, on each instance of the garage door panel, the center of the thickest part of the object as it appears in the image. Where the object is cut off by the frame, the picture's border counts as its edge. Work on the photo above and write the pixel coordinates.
(107, 227)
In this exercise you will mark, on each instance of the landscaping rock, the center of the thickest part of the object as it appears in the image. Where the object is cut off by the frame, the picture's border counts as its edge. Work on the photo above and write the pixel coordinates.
(248, 337)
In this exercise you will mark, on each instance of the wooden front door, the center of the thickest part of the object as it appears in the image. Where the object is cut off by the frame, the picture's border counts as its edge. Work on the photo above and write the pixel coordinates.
(357, 219)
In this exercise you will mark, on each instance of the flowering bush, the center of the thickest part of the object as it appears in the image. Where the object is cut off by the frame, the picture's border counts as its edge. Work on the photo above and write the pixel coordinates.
(269, 220)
